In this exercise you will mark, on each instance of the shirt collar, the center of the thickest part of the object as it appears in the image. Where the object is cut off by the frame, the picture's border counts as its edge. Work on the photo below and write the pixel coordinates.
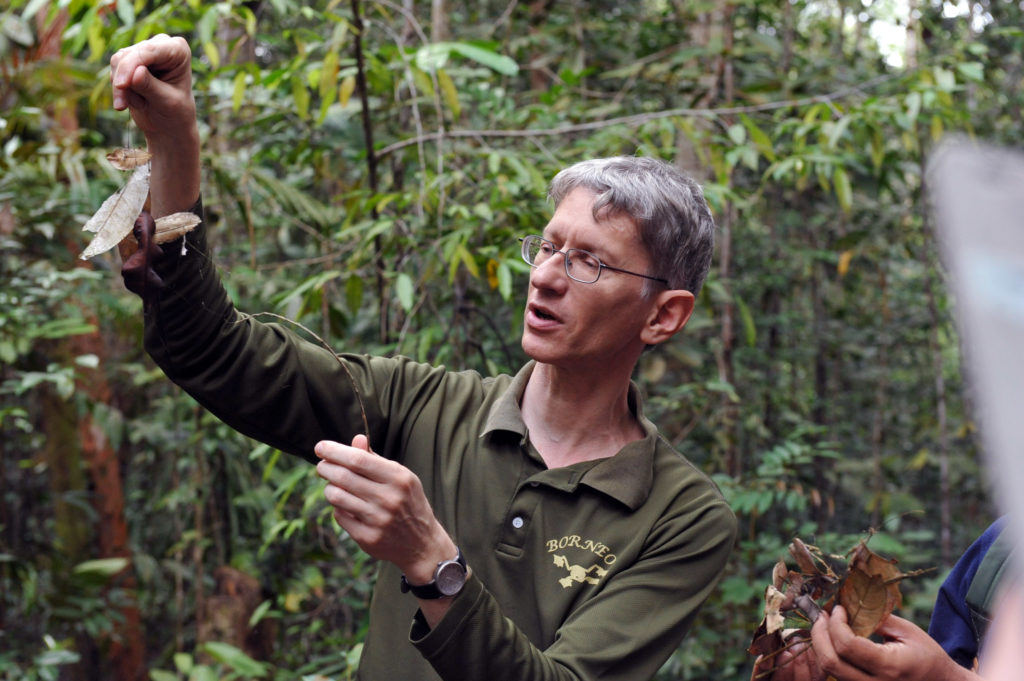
(627, 477)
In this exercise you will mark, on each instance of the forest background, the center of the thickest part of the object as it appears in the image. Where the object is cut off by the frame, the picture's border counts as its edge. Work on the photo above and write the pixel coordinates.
(368, 166)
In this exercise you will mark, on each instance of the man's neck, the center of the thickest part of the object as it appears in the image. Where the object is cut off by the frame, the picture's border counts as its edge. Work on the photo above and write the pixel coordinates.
(574, 416)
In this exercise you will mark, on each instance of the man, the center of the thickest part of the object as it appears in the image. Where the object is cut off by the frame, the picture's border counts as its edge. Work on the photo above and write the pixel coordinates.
(529, 527)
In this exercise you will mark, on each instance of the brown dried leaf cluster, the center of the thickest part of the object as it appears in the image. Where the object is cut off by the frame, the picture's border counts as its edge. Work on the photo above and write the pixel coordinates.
(867, 587)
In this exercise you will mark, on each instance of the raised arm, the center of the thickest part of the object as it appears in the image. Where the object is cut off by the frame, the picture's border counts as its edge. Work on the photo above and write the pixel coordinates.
(153, 80)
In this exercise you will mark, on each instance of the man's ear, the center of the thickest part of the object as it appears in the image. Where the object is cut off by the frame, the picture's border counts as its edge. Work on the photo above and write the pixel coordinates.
(669, 313)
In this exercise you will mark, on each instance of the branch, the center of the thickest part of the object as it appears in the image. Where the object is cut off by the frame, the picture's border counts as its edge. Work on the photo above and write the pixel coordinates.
(638, 119)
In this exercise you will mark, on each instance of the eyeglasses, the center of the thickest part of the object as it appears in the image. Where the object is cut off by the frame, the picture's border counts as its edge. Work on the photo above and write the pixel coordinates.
(581, 266)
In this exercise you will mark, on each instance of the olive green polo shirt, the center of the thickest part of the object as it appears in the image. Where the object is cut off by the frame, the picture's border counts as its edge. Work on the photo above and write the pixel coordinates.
(591, 571)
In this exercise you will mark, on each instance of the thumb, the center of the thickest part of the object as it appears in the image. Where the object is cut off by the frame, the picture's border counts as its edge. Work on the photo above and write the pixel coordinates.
(894, 627)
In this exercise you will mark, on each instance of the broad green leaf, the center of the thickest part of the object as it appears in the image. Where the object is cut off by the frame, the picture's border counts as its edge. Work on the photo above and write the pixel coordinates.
(451, 95)
(749, 327)
(107, 567)
(945, 81)
(212, 53)
(844, 193)
(238, 91)
(31, 8)
(972, 70)
(207, 24)
(505, 281)
(301, 96)
(737, 133)
(183, 662)
(405, 289)
(161, 675)
(432, 57)
(126, 12)
(345, 90)
(913, 102)
(758, 136)
(468, 260)
(313, 283)
(836, 131)
(492, 60)
(329, 75)
(236, 659)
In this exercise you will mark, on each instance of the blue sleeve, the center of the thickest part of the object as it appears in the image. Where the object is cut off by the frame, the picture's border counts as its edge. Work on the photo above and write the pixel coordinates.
(951, 620)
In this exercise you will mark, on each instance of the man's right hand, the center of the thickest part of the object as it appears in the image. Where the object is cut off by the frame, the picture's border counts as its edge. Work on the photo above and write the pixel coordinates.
(153, 80)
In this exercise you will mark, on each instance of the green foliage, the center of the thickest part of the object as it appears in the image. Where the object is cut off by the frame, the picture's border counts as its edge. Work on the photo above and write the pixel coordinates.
(805, 382)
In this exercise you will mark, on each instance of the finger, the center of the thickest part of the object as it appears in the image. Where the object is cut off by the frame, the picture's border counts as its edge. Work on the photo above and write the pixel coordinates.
(842, 653)
(359, 459)
(343, 501)
(894, 627)
(148, 69)
(137, 271)
(343, 477)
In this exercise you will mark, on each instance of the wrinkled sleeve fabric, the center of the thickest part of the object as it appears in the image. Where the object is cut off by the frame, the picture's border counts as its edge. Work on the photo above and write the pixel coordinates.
(258, 378)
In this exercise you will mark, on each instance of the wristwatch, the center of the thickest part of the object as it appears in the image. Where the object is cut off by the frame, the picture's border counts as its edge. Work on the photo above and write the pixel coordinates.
(449, 578)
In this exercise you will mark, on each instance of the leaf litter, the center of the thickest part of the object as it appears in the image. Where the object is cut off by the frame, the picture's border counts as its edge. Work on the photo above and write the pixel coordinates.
(867, 587)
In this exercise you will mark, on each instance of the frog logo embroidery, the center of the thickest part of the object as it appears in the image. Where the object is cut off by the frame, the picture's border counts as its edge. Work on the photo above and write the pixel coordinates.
(579, 574)
(596, 553)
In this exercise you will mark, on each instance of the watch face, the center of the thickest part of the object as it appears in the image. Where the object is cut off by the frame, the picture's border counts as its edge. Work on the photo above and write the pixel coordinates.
(450, 577)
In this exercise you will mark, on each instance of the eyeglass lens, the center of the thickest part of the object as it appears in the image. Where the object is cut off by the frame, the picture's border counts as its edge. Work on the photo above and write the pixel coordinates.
(579, 265)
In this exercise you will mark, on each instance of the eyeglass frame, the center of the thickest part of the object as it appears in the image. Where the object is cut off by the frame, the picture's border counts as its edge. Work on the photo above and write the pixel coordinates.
(566, 255)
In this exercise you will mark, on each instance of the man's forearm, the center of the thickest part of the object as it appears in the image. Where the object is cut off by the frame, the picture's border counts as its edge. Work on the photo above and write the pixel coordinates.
(175, 176)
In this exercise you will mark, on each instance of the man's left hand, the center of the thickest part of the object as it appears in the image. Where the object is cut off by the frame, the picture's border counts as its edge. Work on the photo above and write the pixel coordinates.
(381, 504)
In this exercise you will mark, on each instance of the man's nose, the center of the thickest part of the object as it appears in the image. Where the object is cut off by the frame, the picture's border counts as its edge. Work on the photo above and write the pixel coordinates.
(550, 272)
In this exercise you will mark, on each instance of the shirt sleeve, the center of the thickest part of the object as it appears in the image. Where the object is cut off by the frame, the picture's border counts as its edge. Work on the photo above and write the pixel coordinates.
(624, 634)
(260, 378)
(951, 624)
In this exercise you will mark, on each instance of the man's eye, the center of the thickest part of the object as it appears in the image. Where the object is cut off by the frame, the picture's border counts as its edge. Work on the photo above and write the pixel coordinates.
(586, 261)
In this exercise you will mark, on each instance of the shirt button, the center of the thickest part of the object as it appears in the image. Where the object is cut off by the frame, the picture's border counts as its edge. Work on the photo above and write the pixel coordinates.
(517, 522)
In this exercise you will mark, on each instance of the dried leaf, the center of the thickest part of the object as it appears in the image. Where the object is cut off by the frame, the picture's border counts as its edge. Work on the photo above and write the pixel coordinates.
(128, 159)
(804, 560)
(867, 587)
(773, 618)
(115, 218)
(780, 574)
(869, 562)
(170, 227)
(764, 643)
(767, 638)
(867, 601)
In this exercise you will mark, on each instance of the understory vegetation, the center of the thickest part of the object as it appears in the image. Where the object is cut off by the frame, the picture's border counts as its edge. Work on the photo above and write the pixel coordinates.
(368, 166)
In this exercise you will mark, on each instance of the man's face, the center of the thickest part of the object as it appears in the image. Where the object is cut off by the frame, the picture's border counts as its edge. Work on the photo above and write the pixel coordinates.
(587, 326)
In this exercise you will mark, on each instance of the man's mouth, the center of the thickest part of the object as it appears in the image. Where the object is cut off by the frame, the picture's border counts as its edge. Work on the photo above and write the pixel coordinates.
(542, 314)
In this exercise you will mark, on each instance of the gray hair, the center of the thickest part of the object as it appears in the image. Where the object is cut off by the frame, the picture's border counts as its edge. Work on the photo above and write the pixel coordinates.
(668, 206)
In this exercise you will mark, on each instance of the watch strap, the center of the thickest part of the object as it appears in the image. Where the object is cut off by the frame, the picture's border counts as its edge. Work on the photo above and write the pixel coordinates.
(430, 590)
